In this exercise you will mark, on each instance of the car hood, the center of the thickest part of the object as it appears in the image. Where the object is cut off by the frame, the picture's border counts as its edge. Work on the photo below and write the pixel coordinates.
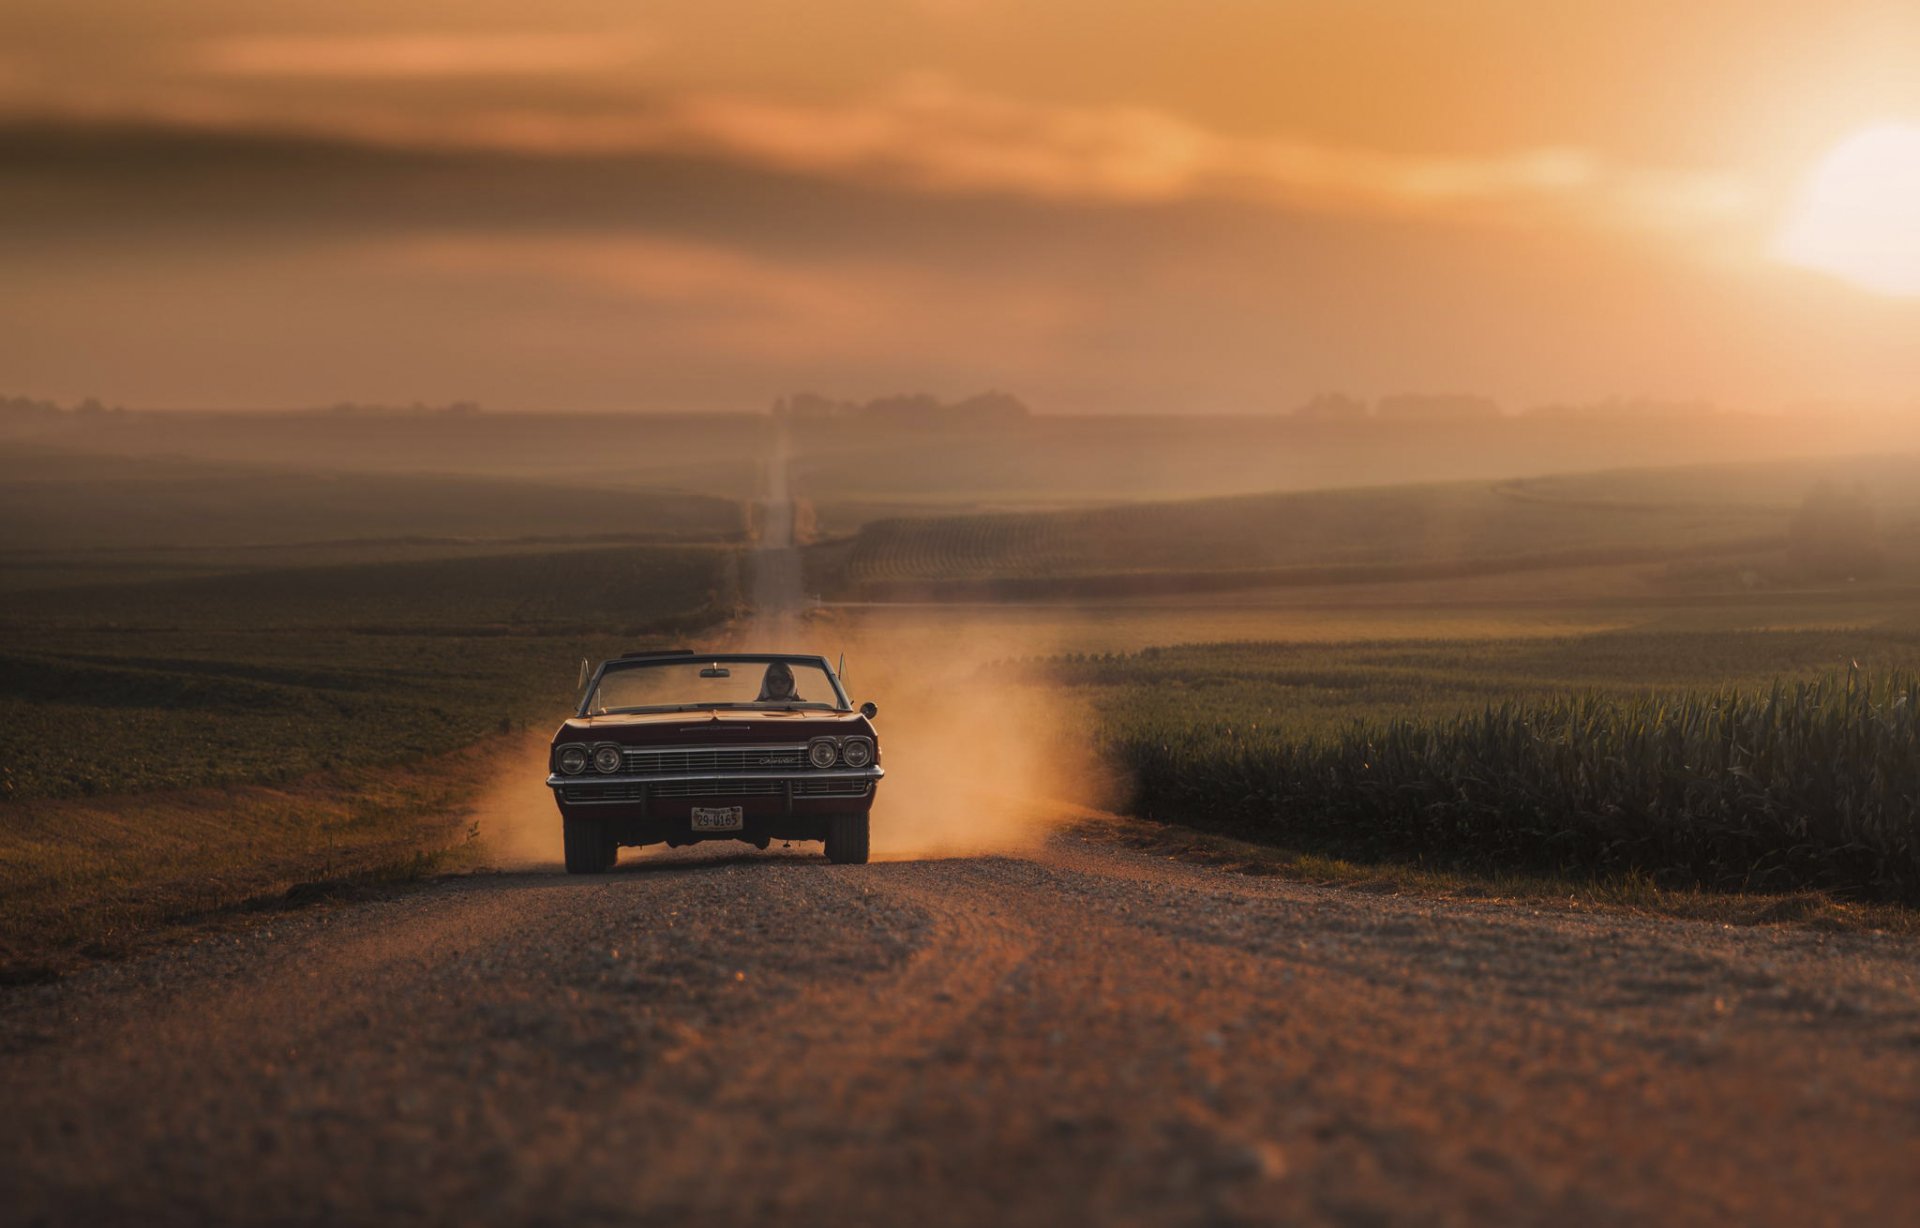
(711, 728)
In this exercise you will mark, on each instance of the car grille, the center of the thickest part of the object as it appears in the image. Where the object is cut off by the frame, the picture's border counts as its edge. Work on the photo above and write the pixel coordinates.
(724, 759)
(831, 788)
(708, 788)
(600, 793)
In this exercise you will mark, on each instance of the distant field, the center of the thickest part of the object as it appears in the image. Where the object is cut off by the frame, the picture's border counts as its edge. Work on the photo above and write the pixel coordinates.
(266, 675)
(1356, 536)
(56, 503)
(1042, 461)
(1109, 459)
(601, 588)
(715, 454)
(1321, 536)
(1892, 480)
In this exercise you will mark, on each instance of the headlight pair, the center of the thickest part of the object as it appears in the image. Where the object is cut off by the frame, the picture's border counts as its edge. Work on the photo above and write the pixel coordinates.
(854, 752)
(605, 758)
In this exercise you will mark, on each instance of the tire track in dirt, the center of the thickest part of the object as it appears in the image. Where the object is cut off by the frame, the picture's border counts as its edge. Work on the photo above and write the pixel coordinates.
(826, 1066)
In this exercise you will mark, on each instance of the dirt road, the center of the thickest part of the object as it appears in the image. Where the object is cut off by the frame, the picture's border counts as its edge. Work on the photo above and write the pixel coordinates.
(1084, 1034)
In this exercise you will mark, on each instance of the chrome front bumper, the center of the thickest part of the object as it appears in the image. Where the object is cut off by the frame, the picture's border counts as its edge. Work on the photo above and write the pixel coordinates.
(785, 789)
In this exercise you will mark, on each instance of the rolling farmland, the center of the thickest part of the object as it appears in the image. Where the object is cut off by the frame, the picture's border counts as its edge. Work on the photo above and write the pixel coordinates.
(1684, 518)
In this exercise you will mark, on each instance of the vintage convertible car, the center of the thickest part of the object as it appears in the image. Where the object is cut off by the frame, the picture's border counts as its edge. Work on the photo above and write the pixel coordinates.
(681, 746)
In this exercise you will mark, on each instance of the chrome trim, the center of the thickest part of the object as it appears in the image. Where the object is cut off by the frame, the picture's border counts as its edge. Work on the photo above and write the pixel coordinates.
(553, 753)
(596, 793)
(556, 781)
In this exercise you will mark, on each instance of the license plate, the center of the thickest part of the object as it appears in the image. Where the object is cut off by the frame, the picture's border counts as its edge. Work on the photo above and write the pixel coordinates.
(718, 818)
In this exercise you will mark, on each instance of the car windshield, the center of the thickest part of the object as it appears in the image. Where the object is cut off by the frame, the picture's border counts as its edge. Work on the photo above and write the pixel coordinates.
(761, 683)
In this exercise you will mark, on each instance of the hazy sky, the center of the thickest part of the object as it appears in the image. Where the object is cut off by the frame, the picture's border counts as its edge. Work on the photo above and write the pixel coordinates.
(1098, 204)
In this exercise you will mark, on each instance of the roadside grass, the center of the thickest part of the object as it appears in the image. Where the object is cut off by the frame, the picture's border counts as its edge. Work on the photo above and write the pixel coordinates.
(92, 878)
(1621, 893)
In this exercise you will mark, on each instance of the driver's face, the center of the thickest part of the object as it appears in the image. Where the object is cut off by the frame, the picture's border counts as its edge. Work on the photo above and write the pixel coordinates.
(779, 680)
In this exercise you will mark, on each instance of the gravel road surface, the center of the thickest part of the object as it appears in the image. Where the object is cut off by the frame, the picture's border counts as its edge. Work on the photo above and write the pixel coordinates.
(1086, 1034)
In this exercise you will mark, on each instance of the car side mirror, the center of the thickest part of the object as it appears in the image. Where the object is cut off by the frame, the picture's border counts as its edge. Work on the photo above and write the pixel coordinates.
(868, 710)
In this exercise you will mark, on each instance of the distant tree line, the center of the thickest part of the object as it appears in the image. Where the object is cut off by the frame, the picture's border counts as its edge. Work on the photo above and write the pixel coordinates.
(908, 408)
(29, 409)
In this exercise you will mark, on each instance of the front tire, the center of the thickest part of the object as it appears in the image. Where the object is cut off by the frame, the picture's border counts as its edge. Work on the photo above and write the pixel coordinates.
(848, 839)
(590, 846)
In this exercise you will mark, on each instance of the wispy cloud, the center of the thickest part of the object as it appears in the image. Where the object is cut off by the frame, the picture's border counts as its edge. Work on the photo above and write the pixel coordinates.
(929, 135)
(422, 55)
(932, 135)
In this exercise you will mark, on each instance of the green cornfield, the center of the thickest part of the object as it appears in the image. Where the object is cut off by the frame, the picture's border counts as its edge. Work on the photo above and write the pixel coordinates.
(1810, 784)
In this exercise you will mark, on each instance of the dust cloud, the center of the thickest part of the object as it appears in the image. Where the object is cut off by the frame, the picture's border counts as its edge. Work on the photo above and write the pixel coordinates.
(979, 759)
(518, 822)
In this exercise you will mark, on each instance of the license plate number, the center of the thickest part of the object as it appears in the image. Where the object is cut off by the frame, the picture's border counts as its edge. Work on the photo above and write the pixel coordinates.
(718, 818)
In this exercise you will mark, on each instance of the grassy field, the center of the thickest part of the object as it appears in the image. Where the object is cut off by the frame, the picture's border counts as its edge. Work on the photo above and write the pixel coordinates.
(170, 747)
(91, 877)
(218, 681)
(265, 676)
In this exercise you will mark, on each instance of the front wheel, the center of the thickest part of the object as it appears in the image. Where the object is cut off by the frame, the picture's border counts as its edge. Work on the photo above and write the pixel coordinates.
(590, 846)
(848, 837)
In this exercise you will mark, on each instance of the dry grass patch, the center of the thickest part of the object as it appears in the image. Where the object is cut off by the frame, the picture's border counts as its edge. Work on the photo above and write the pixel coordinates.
(84, 878)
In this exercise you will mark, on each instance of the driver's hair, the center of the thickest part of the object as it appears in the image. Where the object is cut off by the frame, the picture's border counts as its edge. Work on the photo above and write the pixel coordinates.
(782, 671)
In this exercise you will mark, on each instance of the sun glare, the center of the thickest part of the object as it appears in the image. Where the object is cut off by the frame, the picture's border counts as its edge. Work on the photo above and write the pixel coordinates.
(1859, 215)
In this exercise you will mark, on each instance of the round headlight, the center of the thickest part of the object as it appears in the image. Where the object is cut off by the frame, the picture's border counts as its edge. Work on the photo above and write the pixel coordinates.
(822, 752)
(606, 758)
(856, 752)
(573, 760)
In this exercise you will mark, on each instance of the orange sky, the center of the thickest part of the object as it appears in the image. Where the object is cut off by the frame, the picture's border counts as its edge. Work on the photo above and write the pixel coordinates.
(1217, 206)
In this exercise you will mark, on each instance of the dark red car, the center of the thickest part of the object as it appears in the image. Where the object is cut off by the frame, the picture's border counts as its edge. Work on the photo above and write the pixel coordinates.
(678, 747)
